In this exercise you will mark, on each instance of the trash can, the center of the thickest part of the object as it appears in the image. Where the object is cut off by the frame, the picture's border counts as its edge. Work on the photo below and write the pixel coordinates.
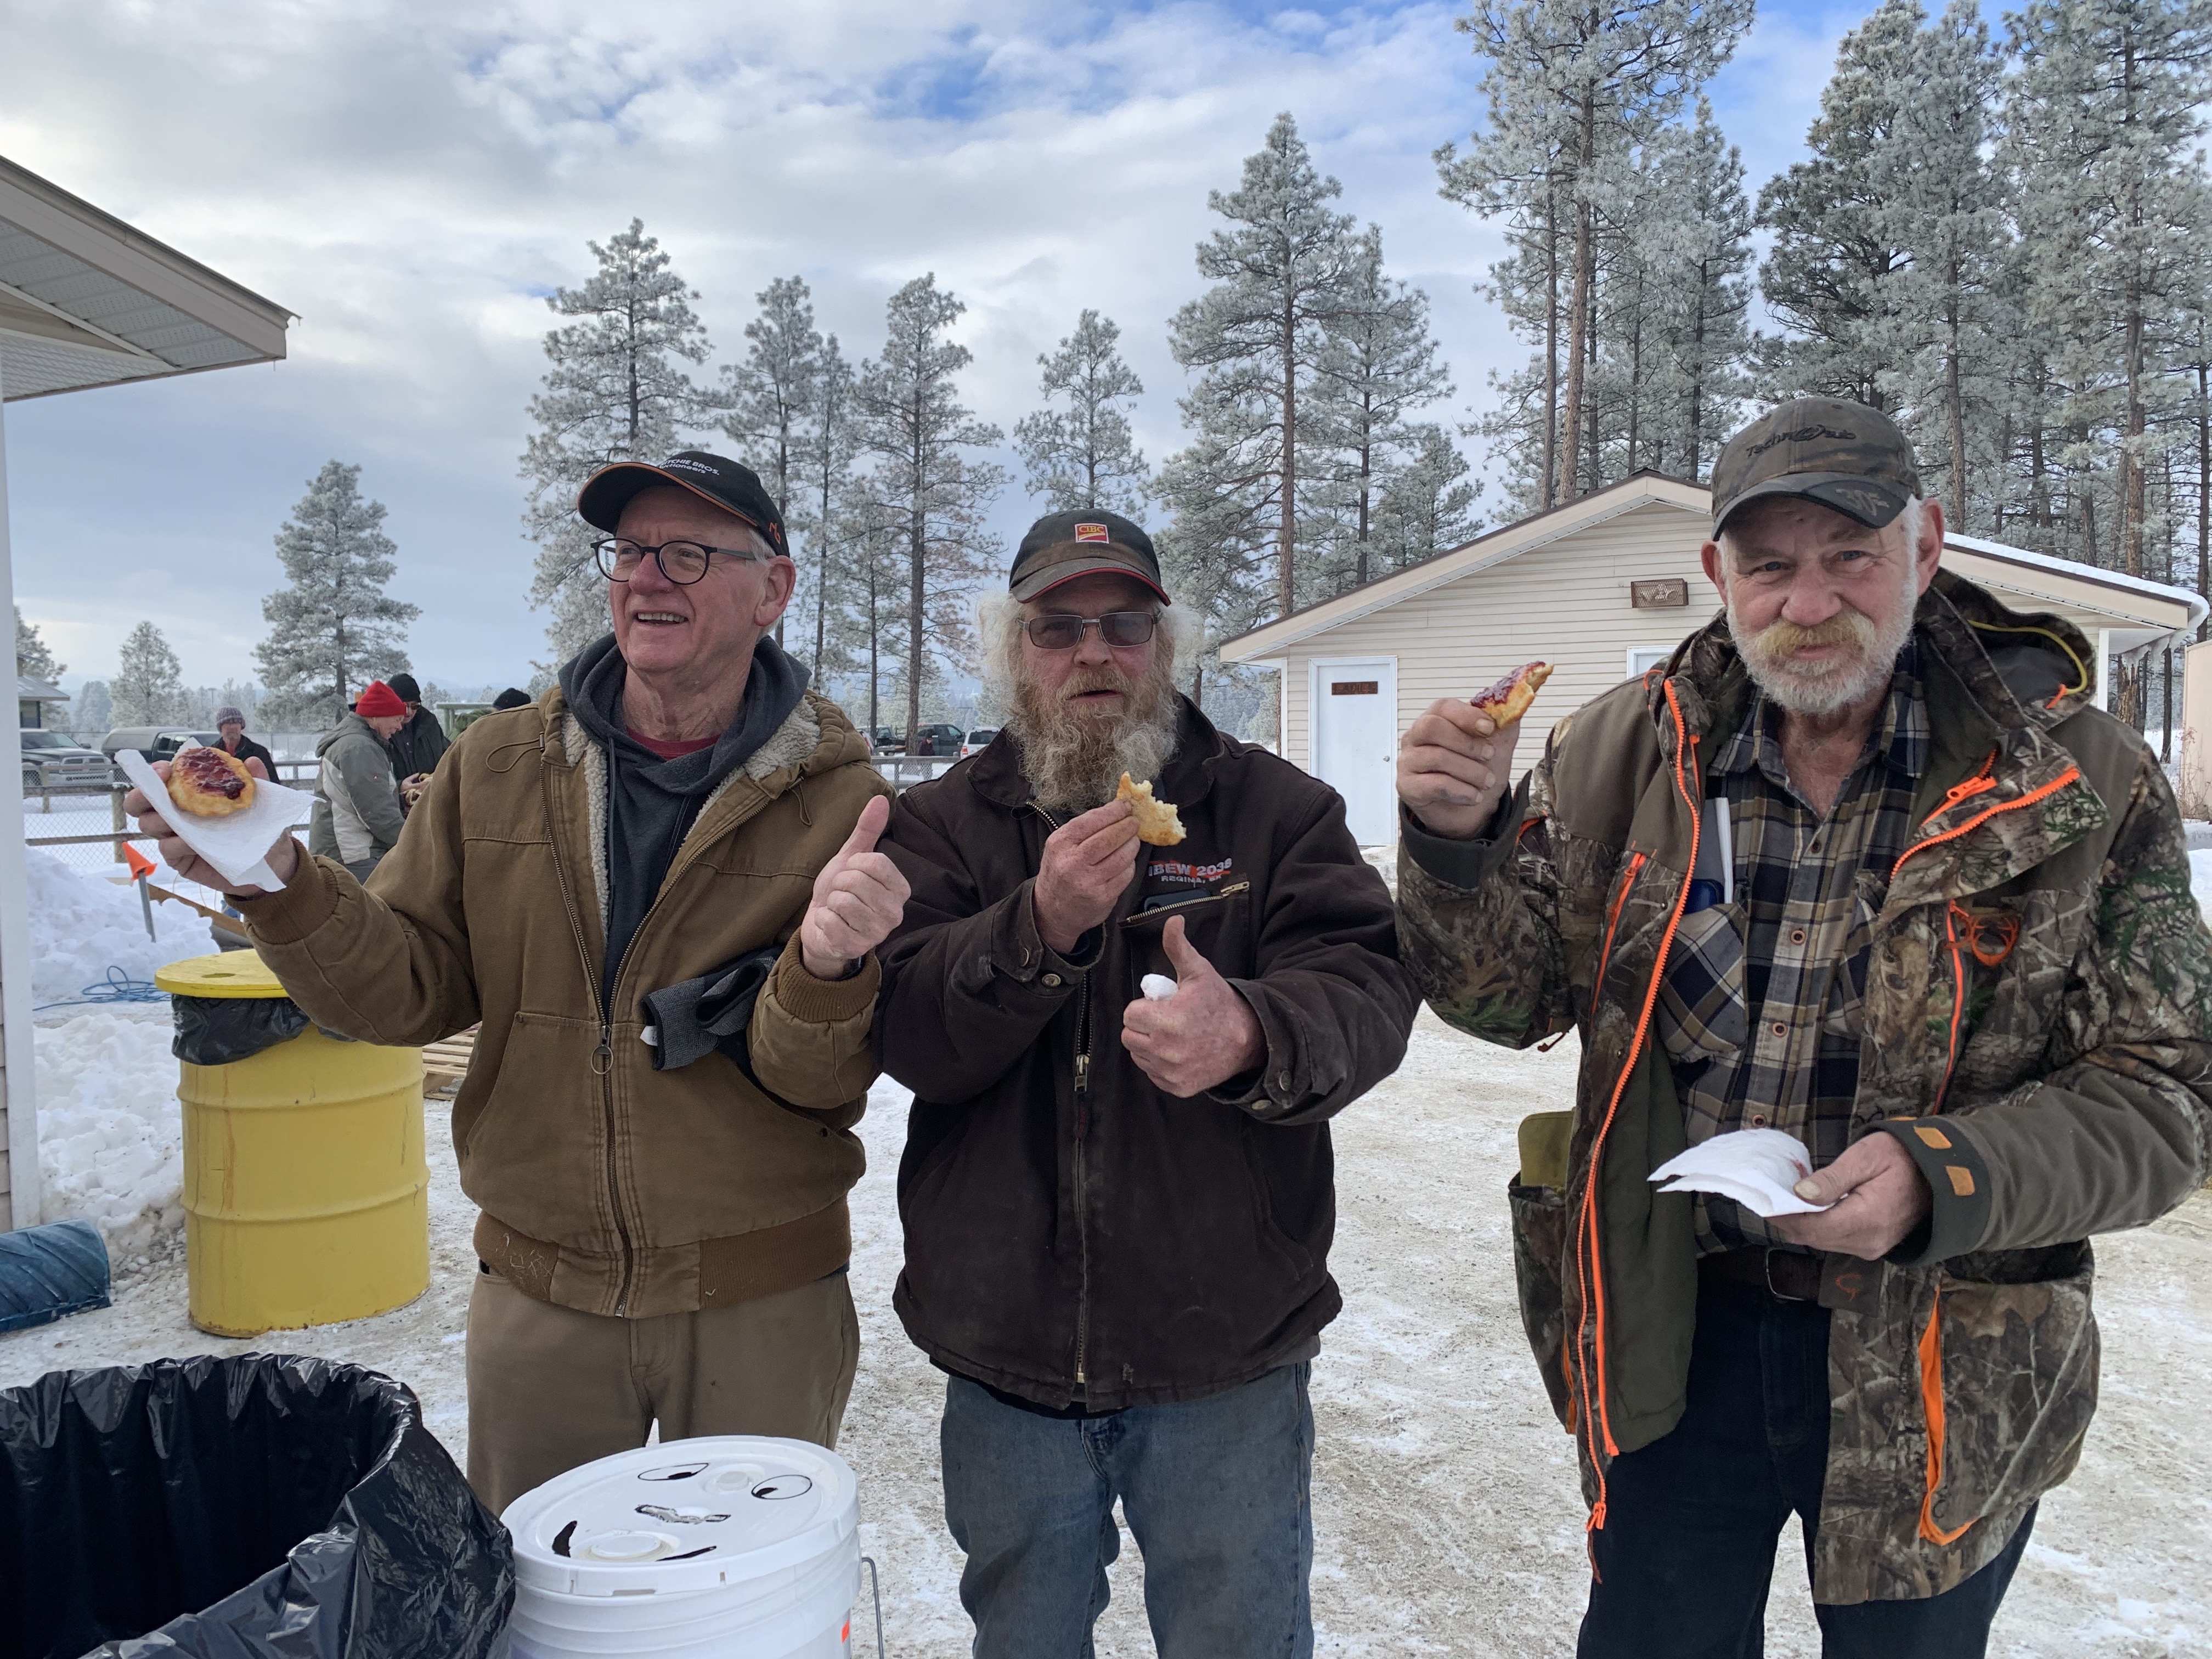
(255, 1507)
(307, 1197)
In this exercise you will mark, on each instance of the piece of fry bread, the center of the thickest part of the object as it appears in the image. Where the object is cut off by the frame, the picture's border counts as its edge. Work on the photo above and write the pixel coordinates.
(1509, 700)
(1158, 822)
(210, 783)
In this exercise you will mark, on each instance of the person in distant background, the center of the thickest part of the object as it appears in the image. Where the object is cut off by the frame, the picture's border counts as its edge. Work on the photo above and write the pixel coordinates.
(510, 698)
(231, 722)
(358, 817)
(418, 745)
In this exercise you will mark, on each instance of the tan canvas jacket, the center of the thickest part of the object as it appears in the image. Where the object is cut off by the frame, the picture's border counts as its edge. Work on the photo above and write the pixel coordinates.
(605, 1185)
(2037, 1032)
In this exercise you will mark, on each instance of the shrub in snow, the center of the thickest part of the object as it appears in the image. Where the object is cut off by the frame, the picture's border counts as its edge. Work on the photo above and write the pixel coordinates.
(83, 925)
(110, 1136)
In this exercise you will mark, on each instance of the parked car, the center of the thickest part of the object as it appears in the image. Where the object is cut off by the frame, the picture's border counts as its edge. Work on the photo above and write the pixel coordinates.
(888, 742)
(51, 761)
(938, 740)
(978, 740)
(155, 742)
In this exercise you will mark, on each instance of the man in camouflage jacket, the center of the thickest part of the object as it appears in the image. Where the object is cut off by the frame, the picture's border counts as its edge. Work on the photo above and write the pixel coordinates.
(2028, 994)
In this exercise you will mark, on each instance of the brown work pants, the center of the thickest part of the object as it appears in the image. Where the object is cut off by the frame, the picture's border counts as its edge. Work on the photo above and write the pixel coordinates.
(550, 1387)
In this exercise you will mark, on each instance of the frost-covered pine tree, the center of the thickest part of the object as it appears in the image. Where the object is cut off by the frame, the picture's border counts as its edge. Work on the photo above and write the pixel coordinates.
(92, 712)
(1086, 456)
(825, 604)
(1573, 90)
(1256, 338)
(34, 656)
(1836, 252)
(617, 390)
(149, 687)
(332, 629)
(1428, 505)
(2102, 127)
(925, 489)
(1378, 364)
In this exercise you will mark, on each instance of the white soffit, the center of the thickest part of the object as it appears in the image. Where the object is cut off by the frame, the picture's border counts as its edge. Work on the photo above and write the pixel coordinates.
(85, 300)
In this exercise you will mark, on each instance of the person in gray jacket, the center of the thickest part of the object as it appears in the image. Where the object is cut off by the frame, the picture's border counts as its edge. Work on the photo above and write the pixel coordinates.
(356, 819)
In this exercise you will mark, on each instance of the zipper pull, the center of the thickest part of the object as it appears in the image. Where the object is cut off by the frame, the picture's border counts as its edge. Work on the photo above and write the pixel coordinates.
(1083, 1074)
(602, 1057)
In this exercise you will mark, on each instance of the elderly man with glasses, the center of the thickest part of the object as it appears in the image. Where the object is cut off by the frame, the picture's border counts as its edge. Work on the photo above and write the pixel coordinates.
(656, 891)
(1118, 1204)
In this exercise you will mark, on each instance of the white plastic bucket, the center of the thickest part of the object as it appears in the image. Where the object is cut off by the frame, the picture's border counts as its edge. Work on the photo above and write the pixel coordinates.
(735, 1547)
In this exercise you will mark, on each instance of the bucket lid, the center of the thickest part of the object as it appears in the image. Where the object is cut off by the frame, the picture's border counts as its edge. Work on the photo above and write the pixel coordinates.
(688, 1515)
(225, 974)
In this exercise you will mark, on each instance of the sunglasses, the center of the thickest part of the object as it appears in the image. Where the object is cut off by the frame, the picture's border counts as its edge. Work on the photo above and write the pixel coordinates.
(1062, 632)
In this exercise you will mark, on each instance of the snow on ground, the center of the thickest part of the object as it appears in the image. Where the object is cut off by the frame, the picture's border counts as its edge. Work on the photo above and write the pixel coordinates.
(111, 1138)
(84, 925)
(1447, 1514)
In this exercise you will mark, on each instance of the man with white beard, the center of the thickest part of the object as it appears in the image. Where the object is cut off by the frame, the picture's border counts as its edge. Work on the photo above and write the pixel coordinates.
(1118, 1206)
(1862, 865)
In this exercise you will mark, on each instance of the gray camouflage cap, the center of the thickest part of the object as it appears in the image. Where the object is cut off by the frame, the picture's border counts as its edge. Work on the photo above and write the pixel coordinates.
(1841, 455)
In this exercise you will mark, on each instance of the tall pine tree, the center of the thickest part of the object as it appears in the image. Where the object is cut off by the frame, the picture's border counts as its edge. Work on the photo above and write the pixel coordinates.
(926, 491)
(769, 394)
(1257, 338)
(618, 390)
(1086, 457)
(32, 656)
(149, 687)
(333, 629)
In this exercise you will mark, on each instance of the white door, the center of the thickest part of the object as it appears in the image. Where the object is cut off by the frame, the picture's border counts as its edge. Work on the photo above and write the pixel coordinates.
(1354, 701)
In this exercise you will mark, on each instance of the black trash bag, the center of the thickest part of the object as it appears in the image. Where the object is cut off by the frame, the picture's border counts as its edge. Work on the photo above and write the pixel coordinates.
(216, 1030)
(263, 1506)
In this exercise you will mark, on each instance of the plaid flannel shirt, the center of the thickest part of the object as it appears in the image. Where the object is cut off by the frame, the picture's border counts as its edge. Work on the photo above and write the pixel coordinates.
(1760, 1009)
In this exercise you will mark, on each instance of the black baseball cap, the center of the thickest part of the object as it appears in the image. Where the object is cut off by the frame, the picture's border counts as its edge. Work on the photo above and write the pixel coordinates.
(1062, 546)
(731, 485)
(1839, 454)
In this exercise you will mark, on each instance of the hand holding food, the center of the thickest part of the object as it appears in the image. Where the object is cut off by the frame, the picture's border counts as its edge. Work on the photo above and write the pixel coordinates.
(177, 852)
(1200, 1037)
(1158, 824)
(210, 783)
(1087, 864)
(1456, 760)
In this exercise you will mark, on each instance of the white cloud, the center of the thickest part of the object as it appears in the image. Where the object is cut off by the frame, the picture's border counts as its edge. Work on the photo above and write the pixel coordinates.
(408, 176)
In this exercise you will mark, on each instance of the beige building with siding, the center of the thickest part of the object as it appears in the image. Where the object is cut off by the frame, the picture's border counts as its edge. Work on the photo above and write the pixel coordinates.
(1601, 588)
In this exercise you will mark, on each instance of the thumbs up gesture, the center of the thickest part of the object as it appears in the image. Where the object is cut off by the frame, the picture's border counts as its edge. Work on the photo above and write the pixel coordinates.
(1200, 1037)
(858, 898)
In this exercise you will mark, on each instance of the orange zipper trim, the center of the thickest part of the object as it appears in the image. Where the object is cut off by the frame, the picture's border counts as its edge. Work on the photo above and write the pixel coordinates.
(1589, 1270)
(1958, 1003)
(2071, 775)
(1931, 1400)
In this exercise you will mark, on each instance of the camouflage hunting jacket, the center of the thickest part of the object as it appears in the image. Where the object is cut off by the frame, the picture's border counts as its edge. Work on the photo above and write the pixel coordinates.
(2037, 1030)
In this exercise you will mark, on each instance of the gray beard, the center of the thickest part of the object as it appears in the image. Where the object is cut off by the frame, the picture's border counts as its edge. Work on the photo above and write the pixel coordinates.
(1075, 763)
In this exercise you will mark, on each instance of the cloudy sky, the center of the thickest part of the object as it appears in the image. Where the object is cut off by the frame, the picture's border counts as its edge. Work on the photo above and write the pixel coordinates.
(411, 179)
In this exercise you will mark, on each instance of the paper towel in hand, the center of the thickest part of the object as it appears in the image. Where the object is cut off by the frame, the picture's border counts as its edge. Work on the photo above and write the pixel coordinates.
(1757, 1168)
(1157, 987)
(238, 845)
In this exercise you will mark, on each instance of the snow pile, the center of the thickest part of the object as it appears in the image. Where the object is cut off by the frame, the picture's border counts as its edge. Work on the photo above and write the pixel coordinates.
(2200, 878)
(110, 1136)
(84, 925)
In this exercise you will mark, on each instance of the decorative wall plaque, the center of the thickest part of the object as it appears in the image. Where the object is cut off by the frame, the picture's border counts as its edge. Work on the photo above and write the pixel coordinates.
(1662, 593)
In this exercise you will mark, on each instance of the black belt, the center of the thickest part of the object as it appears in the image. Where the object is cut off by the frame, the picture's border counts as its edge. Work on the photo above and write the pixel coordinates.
(1790, 1275)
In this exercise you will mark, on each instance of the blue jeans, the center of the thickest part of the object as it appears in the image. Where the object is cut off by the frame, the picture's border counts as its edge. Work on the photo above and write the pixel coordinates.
(1686, 1554)
(1217, 1492)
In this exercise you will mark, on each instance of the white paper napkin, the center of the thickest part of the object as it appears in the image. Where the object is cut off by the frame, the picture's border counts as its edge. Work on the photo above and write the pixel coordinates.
(237, 845)
(1158, 988)
(1757, 1168)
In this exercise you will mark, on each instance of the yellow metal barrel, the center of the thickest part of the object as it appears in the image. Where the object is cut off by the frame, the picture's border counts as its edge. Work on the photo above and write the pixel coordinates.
(307, 1197)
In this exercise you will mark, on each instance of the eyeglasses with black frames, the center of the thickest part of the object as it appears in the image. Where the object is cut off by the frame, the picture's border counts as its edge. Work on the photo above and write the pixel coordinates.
(682, 562)
(1062, 631)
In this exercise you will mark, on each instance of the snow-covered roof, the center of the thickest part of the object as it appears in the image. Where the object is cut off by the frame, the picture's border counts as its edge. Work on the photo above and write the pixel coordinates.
(87, 301)
(1485, 552)
(30, 690)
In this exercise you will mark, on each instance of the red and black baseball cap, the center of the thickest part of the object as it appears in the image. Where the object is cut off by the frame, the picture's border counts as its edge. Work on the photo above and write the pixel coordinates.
(1062, 546)
(731, 485)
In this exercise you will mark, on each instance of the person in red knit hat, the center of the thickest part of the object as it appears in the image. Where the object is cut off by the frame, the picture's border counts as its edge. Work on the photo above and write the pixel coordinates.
(357, 819)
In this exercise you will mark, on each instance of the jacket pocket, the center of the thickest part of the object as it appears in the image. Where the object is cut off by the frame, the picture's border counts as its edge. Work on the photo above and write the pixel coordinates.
(2009, 1382)
(1701, 1013)
(533, 1155)
(1539, 1253)
(1211, 922)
